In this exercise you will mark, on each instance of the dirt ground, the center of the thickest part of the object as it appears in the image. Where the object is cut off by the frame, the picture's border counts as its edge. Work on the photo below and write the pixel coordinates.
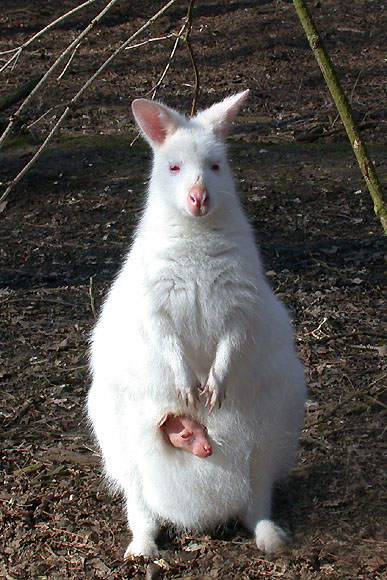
(67, 226)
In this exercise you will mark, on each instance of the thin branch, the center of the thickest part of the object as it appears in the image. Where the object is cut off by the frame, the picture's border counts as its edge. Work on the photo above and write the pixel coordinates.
(13, 57)
(19, 49)
(183, 34)
(42, 117)
(119, 50)
(153, 90)
(68, 63)
(192, 56)
(196, 74)
(159, 38)
(51, 70)
(75, 99)
(354, 86)
(13, 60)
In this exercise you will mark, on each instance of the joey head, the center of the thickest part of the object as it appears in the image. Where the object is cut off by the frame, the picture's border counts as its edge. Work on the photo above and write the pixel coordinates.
(187, 434)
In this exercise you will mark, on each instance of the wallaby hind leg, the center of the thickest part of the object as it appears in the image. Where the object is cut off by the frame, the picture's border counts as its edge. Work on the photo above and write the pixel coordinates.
(143, 525)
(269, 536)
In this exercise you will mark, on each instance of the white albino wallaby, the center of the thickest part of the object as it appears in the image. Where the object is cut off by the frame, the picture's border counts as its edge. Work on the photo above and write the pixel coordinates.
(191, 327)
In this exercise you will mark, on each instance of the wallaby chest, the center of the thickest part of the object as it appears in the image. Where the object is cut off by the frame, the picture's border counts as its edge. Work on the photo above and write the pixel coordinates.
(198, 291)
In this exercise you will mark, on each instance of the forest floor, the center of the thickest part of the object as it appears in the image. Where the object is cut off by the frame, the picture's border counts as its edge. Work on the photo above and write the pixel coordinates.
(69, 222)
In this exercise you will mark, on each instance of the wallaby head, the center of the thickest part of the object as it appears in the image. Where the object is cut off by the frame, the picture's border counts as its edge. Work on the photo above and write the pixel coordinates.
(190, 168)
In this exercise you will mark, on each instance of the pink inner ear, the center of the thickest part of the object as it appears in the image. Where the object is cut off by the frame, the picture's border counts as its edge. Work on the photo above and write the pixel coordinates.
(155, 129)
(153, 119)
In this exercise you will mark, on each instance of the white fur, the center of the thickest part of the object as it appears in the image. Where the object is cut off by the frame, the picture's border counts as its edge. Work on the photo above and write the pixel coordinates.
(191, 306)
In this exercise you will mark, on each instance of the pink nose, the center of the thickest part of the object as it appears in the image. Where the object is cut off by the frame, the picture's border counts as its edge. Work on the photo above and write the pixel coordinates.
(202, 449)
(198, 200)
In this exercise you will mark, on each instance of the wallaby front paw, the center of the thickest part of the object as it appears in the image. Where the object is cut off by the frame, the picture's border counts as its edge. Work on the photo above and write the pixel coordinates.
(214, 393)
(188, 391)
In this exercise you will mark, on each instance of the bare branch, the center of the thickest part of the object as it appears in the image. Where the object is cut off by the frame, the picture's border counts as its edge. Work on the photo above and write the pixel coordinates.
(42, 117)
(53, 67)
(192, 56)
(149, 40)
(19, 49)
(183, 34)
(163, 74)
(13, 60)
(76, 98)
(68, 64)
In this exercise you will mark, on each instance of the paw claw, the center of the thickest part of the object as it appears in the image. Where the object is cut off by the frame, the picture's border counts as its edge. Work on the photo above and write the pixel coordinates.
(189, 393)
(214, 395)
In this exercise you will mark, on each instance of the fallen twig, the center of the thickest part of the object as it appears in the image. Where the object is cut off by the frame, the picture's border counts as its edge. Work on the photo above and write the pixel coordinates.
(341, 335)
(29, 469)
(92, 296)
(330, 409)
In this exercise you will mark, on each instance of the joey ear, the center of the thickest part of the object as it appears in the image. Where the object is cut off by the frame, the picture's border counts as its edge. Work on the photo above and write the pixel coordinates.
(163, 420)
(156, 121)
(221, 115)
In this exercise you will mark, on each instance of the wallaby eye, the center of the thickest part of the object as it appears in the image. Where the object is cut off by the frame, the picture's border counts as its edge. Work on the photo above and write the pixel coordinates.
(186, 435)
(215, 167)
(174, 168)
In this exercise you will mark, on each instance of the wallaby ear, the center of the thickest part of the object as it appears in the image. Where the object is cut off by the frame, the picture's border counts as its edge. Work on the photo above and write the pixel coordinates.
(156, 121)
(222, 114)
